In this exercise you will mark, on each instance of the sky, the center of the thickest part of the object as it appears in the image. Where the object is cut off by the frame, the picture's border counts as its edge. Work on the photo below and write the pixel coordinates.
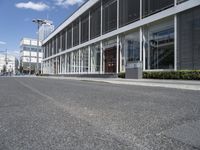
(16, 19)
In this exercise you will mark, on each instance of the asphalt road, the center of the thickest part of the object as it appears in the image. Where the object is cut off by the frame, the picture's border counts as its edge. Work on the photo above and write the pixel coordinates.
(50, 114)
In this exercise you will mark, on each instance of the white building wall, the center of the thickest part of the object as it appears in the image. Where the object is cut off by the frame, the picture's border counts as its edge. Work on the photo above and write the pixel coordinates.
(28, 53)
(11, 64)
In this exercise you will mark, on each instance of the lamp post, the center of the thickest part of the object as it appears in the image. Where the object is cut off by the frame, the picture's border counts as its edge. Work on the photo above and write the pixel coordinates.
(39, 23)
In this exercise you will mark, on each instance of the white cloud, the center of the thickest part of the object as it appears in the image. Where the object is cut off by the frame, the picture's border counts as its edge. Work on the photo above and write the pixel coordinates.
(66, 3)
(2, 43)
(40, 6)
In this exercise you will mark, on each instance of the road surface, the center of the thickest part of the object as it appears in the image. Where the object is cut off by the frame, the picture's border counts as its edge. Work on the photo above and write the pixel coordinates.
(51, 114)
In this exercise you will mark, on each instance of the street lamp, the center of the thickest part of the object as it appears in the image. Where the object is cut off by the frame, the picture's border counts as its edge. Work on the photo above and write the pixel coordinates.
(39, 23)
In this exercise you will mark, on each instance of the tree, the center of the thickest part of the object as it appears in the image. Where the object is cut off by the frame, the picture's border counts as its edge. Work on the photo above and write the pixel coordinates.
(4, 68)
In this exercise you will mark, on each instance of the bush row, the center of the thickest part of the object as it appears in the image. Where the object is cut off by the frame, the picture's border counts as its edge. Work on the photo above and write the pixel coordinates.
(178, 75)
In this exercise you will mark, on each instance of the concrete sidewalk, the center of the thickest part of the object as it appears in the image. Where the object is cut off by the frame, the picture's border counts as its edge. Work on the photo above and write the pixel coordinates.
(177, 84)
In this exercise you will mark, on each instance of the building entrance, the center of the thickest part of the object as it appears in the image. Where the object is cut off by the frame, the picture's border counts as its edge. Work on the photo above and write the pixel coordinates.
(110, 60)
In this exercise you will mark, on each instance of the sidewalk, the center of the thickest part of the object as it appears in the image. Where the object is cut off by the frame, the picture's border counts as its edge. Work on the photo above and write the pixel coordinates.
(176, 84)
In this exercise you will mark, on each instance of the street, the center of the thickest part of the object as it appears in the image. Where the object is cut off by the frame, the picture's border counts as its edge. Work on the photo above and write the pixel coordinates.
(51, 114)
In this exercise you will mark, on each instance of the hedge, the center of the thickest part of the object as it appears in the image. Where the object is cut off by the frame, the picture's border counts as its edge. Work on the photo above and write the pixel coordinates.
(121, 75)
(179, 75)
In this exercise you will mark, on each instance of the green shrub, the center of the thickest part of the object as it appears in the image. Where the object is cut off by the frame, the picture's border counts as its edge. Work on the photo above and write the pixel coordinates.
(181, 75)
(121, 75)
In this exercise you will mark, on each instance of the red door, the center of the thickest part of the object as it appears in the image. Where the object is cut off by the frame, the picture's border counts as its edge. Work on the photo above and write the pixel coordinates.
(110, 60)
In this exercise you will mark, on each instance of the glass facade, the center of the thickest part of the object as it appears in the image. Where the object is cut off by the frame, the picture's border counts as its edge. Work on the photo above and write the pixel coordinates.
(129, 11)
(153, 6)
(84, 62)
(76, 61)
(95, 58)
(54, 45)
(58, 43)
(159, 47)
(131, 45)
(112, 50)
(63, 64)
(69, 37)
(68, 65)
(95, 21)
(85, 28)
(76, 32)
(63, 40)
(189, 39)
(109, 15)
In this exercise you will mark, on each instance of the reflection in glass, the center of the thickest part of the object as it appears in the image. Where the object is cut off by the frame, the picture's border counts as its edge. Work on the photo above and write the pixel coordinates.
(160, 54)
(68, 69)
(109, 15)
(95, 58)
(153, 6)
(132, 47)
(76, 61)
(84, 60)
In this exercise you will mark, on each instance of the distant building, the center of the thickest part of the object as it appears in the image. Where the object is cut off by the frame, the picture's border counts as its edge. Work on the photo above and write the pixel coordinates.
(45, 30)
(8, 64)
(28, 55)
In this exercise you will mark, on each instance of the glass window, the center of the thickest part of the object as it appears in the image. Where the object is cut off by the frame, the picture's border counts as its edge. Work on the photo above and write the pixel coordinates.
(69, 37)
(129, 11)
(95, 21)
(26, 48)
(188, 41)
(132, 51)
(58, 43)
(50, 51)
(49, 48)
(85, 27)
(84, 59)
(54, 41)
(76, 32)
(160, 48)
(132, 47)
(46, 49)
(76, 60)
(54, 66)
(58, 64)
(68, 69)
(63, 40)
(153, 6)
(95, 58)
(109, 15)
(63, 64)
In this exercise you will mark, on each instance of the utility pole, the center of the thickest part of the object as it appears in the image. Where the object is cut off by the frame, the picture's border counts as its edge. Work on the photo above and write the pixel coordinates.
(6, 59)
(30, 62)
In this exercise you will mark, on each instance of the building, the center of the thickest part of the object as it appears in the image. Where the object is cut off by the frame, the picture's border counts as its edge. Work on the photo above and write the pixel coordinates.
(45, 30)
(28, 55)
(8, 64)
(113, 36)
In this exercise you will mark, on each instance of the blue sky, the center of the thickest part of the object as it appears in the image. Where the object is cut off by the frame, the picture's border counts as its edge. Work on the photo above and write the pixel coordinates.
(16, 18)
